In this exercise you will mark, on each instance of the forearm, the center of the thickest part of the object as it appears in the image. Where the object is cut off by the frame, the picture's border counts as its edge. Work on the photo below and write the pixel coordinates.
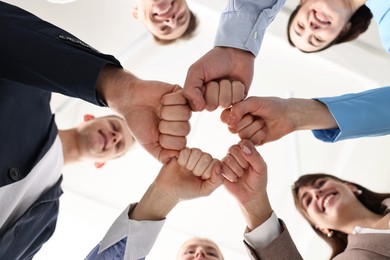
(309, 114)
(112, 84)
(256, 212)
(154, 205)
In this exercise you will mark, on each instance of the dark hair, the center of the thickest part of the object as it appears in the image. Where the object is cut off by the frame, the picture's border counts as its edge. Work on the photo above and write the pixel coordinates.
(371, 200)
(360, 21)
(188, 34)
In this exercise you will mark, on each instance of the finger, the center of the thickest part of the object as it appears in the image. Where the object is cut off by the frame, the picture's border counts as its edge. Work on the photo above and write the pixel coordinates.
(248, 129)
(216, 179)
(175, 98)
(174, 128)
(176, 113)
(241, 162)
(202, 165)
(227, 172)
(246, 121)
(211, 95)
(239, 109)
(231, 166)
(192, 87)
(225, 115)
(165, 155)
(214, 167)
(225, 93)
(195, 156)
(257, 138)
(184, 155)
(238, 92)
(172, 142)
(252, 156)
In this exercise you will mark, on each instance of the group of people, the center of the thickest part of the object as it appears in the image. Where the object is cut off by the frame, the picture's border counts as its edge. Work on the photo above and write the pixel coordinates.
(352, 219)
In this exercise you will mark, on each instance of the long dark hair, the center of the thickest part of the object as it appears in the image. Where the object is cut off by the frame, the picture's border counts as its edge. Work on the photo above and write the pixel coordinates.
(360, 21)
(371, 200)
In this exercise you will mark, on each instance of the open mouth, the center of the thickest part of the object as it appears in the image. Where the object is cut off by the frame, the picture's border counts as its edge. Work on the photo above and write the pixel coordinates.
(105, 140)
(321, 18)
(327, 200)
(164, 10)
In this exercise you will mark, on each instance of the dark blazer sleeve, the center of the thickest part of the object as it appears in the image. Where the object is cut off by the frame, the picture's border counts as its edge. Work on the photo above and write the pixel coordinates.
(38, 54)
(282, 248)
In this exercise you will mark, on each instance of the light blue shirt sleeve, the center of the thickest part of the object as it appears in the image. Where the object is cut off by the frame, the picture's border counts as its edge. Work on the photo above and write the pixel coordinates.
(127, 239)
(381, 12)
(358, 115)
(242, 25)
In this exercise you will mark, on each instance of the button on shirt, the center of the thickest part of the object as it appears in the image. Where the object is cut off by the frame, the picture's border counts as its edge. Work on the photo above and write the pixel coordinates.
(17, 197)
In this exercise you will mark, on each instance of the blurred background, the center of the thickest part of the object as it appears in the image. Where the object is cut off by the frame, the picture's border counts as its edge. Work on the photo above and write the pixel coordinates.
(93, 198)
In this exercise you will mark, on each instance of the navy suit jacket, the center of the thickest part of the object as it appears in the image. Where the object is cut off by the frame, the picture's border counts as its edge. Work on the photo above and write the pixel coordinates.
(36, 59)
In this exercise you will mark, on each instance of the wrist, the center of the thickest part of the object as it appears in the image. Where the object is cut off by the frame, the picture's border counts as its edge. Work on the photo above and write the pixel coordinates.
(113, 85)
(310, 114)
(256, 212)
(154, 205)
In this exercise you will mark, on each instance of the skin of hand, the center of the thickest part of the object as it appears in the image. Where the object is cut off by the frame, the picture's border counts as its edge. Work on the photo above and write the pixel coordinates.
(140, 103)
(266, 119)
(199, 163)
(250, 189)
(223, 94)
(219, 63)
(173, 184)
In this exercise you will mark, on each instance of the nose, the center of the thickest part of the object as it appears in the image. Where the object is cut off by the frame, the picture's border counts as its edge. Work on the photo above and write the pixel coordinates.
(317, 193)
(116, 137)
(314, 26)
(199, 253)
(171, 21)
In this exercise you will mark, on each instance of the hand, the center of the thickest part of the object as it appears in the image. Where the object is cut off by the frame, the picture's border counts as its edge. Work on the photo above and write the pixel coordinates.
(250, 189)
(199, 163)
(140, 102)
(172, 185)
(266, 119)
(175, 116)
(219, 63)
(182, 184)
(223, 94)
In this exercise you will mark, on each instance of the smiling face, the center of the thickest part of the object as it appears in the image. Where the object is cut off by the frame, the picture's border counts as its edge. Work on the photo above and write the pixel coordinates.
(328, 203)
(104, 138)
(199, 248)
(165, 19)
(318, 23)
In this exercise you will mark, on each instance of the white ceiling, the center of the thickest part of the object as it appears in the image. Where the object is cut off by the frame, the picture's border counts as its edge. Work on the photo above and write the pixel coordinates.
(93, 198)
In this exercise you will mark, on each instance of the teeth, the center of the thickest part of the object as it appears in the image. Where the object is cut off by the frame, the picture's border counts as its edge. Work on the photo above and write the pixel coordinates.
(326, 202)
(166, 10)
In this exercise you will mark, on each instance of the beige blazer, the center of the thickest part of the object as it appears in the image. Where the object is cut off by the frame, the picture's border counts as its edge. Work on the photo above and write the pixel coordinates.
(360, 247)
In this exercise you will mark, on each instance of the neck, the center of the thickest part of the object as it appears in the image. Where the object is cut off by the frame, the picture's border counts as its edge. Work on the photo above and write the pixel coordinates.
(362, 218)
(69, 145)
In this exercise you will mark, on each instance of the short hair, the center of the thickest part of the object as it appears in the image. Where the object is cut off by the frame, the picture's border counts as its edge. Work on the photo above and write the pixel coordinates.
(371, 200)
(188, 34)
(360, 21)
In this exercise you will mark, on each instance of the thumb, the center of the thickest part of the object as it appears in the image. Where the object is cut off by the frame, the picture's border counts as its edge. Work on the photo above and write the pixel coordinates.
(192, 90)
(239, 109)
(213, 182)
(252, 156)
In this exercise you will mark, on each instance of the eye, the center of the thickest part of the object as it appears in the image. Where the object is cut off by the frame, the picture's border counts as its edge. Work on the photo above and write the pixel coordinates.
(318, 39)
(163, 28)
(319, 183)
(308, 201)
(190, 252)
(180, 17)
(300, 26)
(212, 254)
